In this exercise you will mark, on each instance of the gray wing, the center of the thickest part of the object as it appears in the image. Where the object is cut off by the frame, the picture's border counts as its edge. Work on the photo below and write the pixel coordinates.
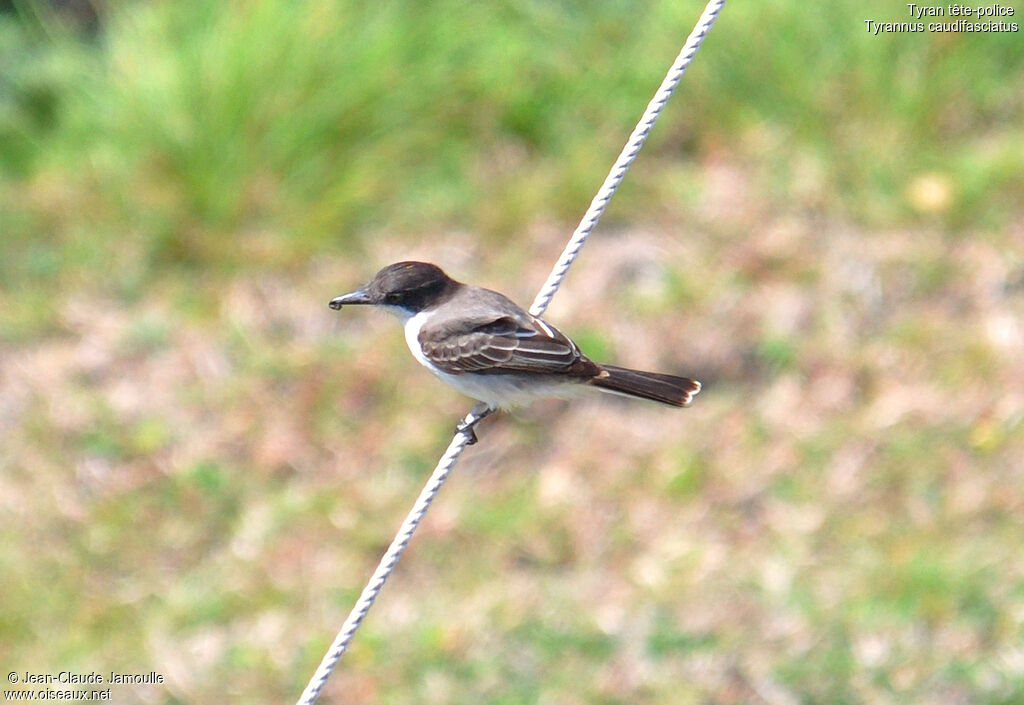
(514, 343)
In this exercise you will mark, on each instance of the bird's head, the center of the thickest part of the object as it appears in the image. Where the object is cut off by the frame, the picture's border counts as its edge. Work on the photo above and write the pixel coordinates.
(406, 288)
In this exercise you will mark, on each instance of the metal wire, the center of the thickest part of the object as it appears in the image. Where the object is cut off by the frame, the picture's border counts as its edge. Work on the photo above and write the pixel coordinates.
(626, 156)
(390, 559)
(461, 439)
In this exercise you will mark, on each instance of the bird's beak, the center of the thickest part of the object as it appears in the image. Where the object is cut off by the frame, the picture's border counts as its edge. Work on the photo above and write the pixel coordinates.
(356, 297)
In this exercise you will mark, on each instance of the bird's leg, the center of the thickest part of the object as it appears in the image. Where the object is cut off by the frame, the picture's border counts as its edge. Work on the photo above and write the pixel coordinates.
(466, 427)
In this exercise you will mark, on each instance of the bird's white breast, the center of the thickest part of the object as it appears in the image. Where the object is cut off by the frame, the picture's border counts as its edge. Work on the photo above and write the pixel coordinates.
(413, 326)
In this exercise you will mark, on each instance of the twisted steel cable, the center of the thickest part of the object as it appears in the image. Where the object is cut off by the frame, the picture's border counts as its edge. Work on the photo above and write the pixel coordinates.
(462, 438)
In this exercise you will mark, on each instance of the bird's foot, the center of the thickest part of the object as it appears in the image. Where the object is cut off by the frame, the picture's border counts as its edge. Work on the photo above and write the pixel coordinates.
(467, 428)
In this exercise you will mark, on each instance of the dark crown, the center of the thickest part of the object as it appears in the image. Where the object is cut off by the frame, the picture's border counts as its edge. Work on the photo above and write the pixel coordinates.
(412, 285)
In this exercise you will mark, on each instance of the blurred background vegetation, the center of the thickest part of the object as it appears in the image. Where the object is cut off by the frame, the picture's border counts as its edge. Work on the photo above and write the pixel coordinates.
(201, 463)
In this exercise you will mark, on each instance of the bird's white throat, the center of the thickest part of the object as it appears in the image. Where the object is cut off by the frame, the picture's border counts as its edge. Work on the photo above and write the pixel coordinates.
(413, 324)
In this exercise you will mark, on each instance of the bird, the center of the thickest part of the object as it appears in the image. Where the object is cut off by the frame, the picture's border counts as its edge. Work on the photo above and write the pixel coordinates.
(485, 346)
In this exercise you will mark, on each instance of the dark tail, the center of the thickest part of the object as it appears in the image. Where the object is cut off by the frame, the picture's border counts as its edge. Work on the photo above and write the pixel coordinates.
(666, 389)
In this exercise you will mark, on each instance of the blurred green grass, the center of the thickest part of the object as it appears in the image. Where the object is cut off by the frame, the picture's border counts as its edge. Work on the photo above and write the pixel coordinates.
(200, 471)
(210, 133)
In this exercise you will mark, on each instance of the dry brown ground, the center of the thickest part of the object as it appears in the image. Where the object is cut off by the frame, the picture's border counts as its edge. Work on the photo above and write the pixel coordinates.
(199, 481)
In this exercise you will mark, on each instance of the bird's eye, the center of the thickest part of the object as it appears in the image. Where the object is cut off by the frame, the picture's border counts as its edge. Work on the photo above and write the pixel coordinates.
(392, 298)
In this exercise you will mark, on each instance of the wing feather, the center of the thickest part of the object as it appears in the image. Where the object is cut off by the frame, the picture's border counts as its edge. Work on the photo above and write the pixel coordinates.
(508, 344)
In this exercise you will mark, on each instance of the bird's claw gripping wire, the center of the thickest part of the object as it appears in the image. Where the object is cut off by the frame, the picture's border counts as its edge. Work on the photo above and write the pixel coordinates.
(467, 427)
